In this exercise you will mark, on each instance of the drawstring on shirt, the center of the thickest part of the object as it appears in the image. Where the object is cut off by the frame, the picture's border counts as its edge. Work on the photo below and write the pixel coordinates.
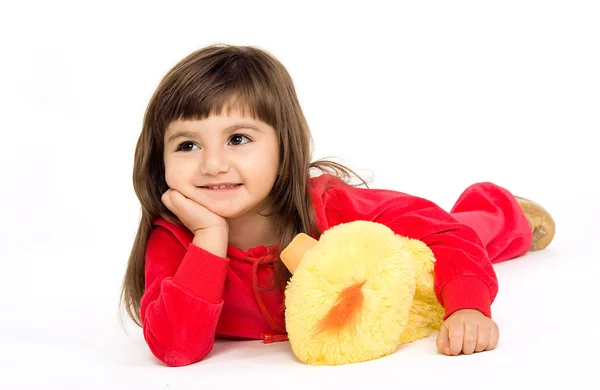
(269, 258)
(269, 338)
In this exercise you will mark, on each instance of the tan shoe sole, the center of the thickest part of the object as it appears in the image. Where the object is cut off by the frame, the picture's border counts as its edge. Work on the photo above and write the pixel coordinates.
(541, 223)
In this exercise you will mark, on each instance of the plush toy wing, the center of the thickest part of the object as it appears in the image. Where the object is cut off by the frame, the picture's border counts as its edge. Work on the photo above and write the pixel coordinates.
(426, 313)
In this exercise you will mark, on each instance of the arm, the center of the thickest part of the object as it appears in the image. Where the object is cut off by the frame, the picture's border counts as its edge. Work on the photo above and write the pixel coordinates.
(463, 275)
(182, 302)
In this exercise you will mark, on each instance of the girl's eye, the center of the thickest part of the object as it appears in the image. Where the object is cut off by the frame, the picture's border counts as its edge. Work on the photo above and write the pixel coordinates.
(186, 146)
(237, 139)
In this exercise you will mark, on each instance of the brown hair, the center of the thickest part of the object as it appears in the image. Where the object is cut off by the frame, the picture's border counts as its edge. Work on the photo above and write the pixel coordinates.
(208, 81)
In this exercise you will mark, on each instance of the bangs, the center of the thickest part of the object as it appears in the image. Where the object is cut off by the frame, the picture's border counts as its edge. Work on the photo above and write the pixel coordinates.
(196, 90)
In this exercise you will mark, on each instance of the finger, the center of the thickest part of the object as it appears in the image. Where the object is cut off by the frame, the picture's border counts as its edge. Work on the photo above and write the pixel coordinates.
(469, 338)
(172, 200)
(483, 338)
(494, 337)
(177, 197)
(178, 202)
(165, 195)
(443, 342)
(166, 199)
(456, 333)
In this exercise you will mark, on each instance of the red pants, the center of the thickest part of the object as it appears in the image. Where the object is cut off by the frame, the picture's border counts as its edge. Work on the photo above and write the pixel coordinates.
(495, 215)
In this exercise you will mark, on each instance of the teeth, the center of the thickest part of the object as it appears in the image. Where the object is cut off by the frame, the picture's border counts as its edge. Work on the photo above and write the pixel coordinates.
(221, 187)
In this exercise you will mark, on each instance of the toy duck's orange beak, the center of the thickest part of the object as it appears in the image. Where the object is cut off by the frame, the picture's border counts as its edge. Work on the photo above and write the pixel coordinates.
(292, 255)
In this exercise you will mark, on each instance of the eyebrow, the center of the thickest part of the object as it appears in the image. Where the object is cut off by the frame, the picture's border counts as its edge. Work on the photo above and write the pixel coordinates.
(192, 134)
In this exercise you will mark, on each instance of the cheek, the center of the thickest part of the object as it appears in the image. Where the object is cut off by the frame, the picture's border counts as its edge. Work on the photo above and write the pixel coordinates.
(169, 177)
(177, 173)
(264, 166)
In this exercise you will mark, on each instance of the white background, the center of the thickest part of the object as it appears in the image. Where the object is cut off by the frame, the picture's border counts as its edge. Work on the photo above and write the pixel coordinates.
(429, 96)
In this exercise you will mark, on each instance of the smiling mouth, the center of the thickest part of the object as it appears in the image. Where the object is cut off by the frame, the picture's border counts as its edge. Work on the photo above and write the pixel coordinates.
(225, 187)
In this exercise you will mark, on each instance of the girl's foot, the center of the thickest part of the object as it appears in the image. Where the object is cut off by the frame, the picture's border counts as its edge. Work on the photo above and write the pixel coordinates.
(541, 223)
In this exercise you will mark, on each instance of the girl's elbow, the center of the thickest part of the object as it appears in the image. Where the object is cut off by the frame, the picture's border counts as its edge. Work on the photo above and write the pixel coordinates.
(178, 358)
(178, 353)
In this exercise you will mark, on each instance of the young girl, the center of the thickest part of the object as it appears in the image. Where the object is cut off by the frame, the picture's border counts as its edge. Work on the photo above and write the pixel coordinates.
(223, 174)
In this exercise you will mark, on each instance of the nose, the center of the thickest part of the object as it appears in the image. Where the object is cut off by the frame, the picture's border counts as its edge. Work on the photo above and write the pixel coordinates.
(214, 162)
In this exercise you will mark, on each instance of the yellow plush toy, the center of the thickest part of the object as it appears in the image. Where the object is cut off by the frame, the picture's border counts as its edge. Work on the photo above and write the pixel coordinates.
(358, 293)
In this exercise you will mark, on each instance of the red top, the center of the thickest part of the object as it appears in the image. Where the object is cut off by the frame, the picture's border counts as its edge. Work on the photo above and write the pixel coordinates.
(193, 296)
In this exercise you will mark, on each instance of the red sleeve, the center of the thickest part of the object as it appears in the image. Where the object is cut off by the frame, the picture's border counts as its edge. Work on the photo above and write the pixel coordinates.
(463, 274)
(182, 301)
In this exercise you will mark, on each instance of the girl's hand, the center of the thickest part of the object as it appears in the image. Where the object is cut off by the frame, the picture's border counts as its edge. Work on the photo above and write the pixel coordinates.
(193, 215)
(467, 331)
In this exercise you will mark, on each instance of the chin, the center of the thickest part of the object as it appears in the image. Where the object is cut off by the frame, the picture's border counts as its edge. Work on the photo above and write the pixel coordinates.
(228, 212)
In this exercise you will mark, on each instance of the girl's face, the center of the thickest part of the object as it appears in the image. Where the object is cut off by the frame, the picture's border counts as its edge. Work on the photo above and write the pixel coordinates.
(218, 151)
